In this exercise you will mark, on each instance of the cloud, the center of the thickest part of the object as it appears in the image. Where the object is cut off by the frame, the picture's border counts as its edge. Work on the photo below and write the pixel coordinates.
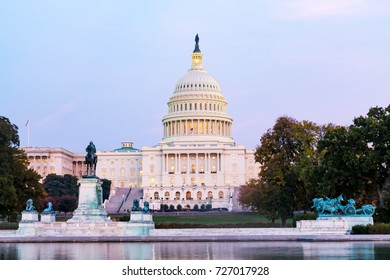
(314, 9)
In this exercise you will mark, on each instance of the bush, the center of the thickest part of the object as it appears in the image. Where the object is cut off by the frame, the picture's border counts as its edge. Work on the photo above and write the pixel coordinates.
(202, 207)
(371, 229)
(196, 207)
(359, 229)
(208, 207)
(179, 207)
(307, 216)
(171, 207)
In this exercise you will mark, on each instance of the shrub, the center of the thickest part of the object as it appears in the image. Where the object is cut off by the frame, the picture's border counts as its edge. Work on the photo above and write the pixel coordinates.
(371, 229)
(208, 207)
(196, 207)
(202, 207)
(359, 229)
(179, 207)
(171, 207)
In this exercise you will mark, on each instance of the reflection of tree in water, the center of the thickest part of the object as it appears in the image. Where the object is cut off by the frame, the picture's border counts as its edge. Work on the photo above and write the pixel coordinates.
(274, 250)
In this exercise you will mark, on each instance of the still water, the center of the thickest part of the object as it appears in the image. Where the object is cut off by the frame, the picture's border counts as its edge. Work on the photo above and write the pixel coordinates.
(197, 251)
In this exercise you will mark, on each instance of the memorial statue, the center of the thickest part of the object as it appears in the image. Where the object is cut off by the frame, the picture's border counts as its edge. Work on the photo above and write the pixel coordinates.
(49, 209)
(29, 205)
(135, 205)
(91, 160)
(196, 44)
(146, 207)
(333, 207)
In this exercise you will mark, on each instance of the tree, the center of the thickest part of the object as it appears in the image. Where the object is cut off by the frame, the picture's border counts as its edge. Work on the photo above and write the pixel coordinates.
(356, 159)
(62, 191)
(17, 182)
(106, 186)
(286, 155)
(58, 185)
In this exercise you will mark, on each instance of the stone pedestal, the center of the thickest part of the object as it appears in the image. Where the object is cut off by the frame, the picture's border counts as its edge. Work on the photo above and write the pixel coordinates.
(48, 218)
(350, 221)
(29, 217)
(90, 207)
(140, 224)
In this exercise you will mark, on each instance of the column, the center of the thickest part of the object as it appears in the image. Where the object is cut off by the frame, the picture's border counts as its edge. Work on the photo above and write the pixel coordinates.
(188, 163)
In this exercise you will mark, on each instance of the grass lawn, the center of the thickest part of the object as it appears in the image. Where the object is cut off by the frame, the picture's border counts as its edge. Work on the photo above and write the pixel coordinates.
(202, 220)
(183, 220)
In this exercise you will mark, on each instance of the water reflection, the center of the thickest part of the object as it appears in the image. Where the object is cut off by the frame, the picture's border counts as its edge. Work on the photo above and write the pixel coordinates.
(197, 251)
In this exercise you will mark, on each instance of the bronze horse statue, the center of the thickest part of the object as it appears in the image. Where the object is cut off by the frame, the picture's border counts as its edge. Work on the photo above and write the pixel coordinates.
(91, 159)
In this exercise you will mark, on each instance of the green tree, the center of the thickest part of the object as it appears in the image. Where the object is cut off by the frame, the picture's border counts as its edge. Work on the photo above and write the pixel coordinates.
(287, 154)
(17, 182)
(62, 191)
(58, 185)
(106, 186)
(356, 159)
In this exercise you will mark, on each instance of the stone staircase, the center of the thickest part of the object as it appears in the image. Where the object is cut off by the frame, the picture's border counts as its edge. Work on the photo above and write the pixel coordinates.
(122, 200)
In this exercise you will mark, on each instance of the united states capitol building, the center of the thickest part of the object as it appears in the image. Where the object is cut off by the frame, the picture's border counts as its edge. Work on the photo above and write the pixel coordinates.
(196, 162)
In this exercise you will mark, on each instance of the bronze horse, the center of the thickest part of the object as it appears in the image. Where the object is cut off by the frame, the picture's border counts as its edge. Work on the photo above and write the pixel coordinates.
(91, 159)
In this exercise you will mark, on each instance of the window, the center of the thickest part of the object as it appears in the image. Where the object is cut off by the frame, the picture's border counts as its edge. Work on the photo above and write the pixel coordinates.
(122, 171)
(151, 168)
(104, 172)
(132, 172)
(166, 195)
(210, 194)
(151, 181)
(156, 195)
(199, 195)
(188, 195)
(177, 195)
(171, 180)
(220, 195)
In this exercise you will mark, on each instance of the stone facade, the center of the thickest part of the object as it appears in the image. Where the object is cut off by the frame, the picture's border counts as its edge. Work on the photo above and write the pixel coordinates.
(197, 161)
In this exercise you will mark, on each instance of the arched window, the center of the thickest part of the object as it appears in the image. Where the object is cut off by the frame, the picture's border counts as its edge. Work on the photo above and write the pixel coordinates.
(166, 195)
(190, 106)
(156, 195)
(188, 195)
(210, 194)
(122, 171)
(199, 195)
(200, 106)
(177, 195)
(220, 195)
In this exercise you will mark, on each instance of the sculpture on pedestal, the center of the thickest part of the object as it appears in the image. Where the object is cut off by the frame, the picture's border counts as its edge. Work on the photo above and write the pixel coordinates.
(333, 207)
(91, 160)
(29, 206)
(49, 209)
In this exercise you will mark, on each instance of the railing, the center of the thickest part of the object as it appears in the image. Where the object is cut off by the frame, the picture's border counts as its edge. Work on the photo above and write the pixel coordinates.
(123, 201)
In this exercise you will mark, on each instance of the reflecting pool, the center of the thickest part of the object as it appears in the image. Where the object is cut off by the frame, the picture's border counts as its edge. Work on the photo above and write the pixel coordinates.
(197, 251)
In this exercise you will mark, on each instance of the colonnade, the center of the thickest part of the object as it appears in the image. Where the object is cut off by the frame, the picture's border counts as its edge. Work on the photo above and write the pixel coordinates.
(197, 127)
(183, 163)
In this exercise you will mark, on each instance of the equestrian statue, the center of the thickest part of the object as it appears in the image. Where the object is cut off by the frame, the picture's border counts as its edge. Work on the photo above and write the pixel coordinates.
(91, 160)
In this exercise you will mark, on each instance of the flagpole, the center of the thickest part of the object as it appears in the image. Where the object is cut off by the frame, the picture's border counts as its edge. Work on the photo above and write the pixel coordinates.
(28, 132)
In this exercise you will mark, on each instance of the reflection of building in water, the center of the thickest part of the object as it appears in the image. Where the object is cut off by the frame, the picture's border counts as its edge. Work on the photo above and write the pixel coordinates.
(275, 250)
(338, 250)
(196, 163)
(85, 251)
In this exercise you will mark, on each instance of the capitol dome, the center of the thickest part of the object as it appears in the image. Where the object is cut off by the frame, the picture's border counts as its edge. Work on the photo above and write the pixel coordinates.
(197, 108)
